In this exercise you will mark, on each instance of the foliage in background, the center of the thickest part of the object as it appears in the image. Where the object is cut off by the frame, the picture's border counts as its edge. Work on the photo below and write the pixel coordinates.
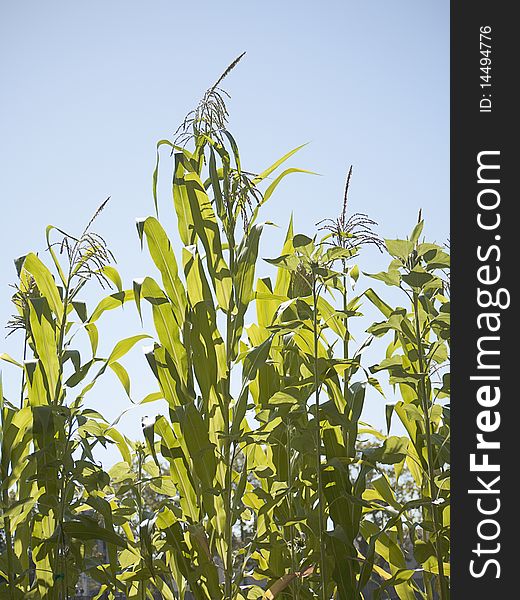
(261, 481)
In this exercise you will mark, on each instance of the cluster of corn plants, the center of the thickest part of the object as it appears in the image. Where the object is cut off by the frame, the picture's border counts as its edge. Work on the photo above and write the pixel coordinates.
(417, 362)
(261, 481)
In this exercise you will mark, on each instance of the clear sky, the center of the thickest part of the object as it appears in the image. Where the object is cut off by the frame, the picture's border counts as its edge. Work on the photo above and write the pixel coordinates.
(87, 88)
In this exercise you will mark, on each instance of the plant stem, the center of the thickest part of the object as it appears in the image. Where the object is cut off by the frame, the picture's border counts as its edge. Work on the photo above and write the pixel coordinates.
(9, 545)
(321, 513)
(229, 522)
(22, 385)
(60, 503)
(429, 447)
(346, 338)
(427, 580)
(228, 574)
(61, 341)
(346, 372)
(294, 565)
(140, 515)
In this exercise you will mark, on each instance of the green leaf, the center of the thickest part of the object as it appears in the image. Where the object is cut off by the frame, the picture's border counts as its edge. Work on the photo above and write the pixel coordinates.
(392, 277)
(385, 308)
(416, 233)
(393, 450)
(81, 310)
(10, 359)
(164, 258)
(112, 274)
(301, 241)
(110, 302)
(399, 248)
(417, 278)
(272, 187)
(122, 375)
(275, 165)
(45, 282)
(121, 443)
(83, 530)
(44, 335)
(124, 346)
(93, 335)
(197, 221)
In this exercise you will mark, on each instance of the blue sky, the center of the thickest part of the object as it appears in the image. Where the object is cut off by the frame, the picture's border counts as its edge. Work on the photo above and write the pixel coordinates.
(89, 87)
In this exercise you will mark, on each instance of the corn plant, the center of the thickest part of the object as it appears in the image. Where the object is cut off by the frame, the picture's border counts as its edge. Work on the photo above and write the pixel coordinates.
(416, 362)
(309, 407)
(199, 320)
(52, 486)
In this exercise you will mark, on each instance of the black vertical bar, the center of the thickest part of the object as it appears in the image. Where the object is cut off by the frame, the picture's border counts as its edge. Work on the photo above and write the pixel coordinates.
(483, 237)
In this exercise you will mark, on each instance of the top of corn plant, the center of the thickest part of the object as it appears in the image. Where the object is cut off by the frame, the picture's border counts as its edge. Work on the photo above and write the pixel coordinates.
(210, 117)
(352, 231)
